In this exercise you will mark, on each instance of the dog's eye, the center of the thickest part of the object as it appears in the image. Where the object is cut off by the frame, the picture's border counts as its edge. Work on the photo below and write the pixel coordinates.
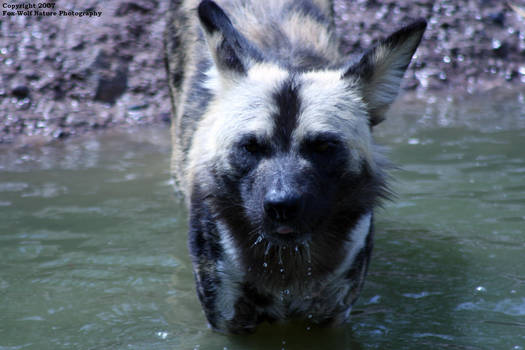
(252, 146)
(323, 146)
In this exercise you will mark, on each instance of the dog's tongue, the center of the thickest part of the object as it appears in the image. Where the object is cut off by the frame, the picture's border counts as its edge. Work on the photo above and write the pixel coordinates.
(284, 230)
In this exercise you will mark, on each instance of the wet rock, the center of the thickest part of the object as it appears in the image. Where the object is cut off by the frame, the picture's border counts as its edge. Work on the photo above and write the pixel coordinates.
(497, 18)
(511, 74)
(20, 92)
(76, 120)
(79, 46)
(60, 134)
(135, 29)
(138, 107)
(107, 76)
(500, 49)
(24, 104)
(32, 76)
(110, 88)
(165, 117)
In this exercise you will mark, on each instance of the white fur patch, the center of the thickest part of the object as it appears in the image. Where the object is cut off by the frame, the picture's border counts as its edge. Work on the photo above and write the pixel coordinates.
(230, 251)
(212, 81)
(356, 242)
(244, 107)
(330, 105)
(230, 275)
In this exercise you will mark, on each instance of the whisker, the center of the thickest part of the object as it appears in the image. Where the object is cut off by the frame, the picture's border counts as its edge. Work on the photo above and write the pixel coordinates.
(268, 246)
(257, 241)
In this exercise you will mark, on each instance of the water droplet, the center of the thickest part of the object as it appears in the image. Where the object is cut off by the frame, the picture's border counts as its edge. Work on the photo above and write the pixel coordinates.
(521, 70)
(375, 299)
(446, 59)
(442, 75)
(281, 270)
(481, 289)
(257, 241)
(265, 265)
(267, 250)
(308, 256)
(287, 292)
(496, 44)
(308, 328)
(162, 335)
(296, 248)
(310, 316)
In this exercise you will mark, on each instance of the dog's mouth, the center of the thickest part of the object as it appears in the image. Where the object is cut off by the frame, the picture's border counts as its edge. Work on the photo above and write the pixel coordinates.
(286, 235)
(285, 230)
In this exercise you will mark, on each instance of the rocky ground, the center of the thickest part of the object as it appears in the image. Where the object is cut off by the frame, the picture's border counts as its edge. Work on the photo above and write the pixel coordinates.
(66, 75)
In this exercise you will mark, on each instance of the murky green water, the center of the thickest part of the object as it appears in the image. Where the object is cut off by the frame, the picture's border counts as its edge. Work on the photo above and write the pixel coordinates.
(93, 245)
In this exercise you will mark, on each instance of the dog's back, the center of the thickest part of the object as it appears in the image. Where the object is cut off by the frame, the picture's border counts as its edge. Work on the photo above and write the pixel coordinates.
(296, 34)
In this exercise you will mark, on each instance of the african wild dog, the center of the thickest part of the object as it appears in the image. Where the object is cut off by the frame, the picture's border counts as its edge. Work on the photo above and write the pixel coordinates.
(272, 149)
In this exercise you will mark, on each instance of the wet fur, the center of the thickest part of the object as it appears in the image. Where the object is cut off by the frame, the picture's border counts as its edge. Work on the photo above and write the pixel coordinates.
(268, 75)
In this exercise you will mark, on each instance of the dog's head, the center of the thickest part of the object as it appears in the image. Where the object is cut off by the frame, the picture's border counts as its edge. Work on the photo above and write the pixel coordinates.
(286, 155)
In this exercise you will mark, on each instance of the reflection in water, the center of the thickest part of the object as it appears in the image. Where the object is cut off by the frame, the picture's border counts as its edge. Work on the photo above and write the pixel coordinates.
(93, 243)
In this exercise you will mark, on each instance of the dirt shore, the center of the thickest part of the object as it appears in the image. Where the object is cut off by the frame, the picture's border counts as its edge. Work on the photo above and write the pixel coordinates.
(66, 75)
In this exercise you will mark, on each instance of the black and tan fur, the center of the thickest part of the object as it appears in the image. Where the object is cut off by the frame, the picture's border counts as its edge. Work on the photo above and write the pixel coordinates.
(273, 152)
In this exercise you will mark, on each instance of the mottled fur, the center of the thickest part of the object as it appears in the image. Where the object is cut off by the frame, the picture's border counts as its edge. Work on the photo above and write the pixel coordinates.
(273, 152)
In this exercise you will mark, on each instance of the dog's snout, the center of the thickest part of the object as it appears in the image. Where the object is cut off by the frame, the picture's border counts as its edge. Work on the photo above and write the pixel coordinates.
(282, 206)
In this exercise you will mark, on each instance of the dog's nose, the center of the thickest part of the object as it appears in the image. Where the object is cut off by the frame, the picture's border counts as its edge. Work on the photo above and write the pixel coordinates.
(282, 206)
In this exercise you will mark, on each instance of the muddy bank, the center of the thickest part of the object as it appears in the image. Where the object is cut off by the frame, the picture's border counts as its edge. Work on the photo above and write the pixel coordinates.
(65, 75)
(469, 45)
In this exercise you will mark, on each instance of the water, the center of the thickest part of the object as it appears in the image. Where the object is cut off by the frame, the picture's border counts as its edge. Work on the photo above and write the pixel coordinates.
(93, 243)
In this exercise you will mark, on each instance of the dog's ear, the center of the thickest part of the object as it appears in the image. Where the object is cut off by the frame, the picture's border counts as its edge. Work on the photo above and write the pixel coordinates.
(381, 69)
(231, 51)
